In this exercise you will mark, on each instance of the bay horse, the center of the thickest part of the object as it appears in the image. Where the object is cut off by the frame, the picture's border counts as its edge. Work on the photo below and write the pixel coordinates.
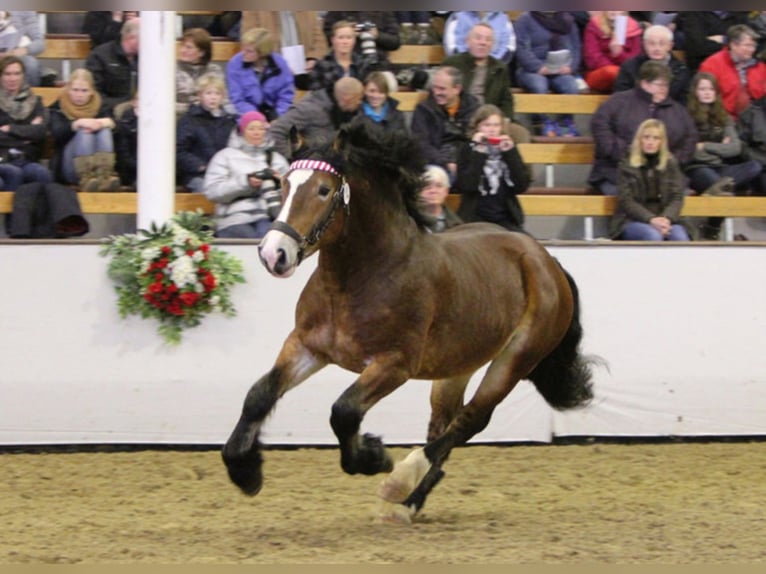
(391, 302)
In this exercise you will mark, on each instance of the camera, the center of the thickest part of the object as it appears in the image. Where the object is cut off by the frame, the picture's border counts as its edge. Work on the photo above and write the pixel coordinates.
(264, 175)
(367, 41)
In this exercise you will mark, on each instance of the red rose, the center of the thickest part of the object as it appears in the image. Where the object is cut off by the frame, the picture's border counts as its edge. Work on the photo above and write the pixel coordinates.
(189, 298)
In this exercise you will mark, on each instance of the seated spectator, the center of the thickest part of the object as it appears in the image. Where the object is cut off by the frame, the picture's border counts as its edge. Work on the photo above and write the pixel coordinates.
(202, 131)
(193, 62)
(379, 106)
(714, 169)
(440, 122)
(616, 120)
(741, 77)
(114, 65)
(657, 46)
(433, 195)
(756, 20)
(105, 27)
(547, 57)
(21, 36)
(341, 60)
(126, 140)
(460, 24)
(416, 28)
(258, 78)
(243, 180)
(751, 127)
(23, 128)
(705, 33)
(650, 190)
(603, 51)
(319, 115)
(378, 33)
(82, 127)
(490, 172)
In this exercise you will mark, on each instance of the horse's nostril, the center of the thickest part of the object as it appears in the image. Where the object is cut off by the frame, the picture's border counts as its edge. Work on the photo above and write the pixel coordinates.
(282, 258)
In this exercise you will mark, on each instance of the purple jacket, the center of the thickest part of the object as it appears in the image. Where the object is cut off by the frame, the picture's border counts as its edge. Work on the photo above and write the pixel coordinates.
(271, 94)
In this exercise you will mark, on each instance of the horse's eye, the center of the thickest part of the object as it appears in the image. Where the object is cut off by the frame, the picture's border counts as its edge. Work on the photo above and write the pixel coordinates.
(324, 191)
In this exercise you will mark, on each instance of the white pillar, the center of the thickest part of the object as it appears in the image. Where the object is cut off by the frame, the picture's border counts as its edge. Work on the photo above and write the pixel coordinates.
(156, 121)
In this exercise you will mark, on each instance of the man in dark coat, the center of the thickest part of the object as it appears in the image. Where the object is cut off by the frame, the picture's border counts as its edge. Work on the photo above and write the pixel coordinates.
(440, 123)
(614, 124)
(114, 65)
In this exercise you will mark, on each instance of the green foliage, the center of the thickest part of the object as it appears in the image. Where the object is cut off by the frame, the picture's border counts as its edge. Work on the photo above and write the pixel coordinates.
(171, 273)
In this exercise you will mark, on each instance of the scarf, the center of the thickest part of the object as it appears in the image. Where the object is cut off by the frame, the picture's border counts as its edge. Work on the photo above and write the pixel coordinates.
(74, 112)
(558, 24)
(20, 106)
(377, 117)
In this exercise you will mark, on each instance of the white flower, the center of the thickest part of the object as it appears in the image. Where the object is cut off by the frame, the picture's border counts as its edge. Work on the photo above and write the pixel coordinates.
(198, 256)
(180, 235)
(183, 271)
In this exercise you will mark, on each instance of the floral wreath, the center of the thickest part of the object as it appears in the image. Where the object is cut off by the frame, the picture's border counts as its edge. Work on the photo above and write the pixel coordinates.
(172, 274)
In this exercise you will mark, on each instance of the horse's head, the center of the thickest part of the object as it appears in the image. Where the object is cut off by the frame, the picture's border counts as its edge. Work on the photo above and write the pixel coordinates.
(312, 192)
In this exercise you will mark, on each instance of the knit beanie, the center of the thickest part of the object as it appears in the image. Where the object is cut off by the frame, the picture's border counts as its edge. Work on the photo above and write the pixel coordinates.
(248, 117)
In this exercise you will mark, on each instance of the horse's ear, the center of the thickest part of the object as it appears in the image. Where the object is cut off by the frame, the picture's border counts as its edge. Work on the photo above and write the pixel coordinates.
(296, 140)
(341, 138)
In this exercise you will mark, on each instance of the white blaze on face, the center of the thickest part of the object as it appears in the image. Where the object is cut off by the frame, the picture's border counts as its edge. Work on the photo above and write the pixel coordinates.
(275, 243)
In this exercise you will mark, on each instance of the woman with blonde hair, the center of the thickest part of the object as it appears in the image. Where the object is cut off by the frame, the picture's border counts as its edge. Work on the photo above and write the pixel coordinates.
(82, 131)
(258, 77)
(650, 189)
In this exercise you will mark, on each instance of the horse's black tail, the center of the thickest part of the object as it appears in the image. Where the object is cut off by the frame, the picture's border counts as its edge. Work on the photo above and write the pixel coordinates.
(564, 377)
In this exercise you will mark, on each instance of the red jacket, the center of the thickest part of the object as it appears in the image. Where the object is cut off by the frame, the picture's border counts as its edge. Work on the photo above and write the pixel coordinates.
(595, 50)
(735, 96)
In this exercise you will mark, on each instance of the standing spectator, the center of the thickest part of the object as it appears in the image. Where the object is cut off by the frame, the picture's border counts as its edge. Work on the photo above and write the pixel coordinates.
(378, 33)
(194, 56)
(705, 33)
(714, 169)
(114, 65)
(756, 20)
(490, 172)
(541, 37)
(603, 51)
(342, 60)
(741, 77)
(657, 46)
(440, 123)
(82, 131)
(379, 107)
(319, 115)
(202, 131)
(433, 196)
(243, 181)
(258, 78)
(459, 25)
(126, 140)
(485, 77)
(651, 190)
(415, 28)
(23, 127)
(615, 122)
(104, 27)
(21, 36)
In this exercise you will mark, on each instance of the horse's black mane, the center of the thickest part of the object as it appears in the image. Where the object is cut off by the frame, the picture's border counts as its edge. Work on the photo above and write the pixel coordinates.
(381, 155)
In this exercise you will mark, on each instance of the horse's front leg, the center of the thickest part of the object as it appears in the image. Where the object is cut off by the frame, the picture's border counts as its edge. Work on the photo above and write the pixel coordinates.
(242, 452)
(366, 453)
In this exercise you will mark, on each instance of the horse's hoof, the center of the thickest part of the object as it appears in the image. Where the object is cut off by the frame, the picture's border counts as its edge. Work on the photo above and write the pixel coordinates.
(407, 474)
(245, 471)
(392, 490)
(396, 514)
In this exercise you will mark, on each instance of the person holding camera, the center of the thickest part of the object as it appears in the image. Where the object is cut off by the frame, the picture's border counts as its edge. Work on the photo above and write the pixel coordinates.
(243, 180)
(378, 34)
(490, 172)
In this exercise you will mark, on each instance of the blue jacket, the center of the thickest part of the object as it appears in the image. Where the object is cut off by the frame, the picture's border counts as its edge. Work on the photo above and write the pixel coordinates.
(200, 135)
(460, 23)
(271, 94)
(533, 42)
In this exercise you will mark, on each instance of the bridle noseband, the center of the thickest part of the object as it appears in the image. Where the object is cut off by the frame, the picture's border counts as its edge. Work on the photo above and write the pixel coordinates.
(340, 196)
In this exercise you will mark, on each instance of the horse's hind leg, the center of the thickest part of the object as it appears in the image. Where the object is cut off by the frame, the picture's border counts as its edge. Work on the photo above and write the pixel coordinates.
(241, 453)
(446, 400)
